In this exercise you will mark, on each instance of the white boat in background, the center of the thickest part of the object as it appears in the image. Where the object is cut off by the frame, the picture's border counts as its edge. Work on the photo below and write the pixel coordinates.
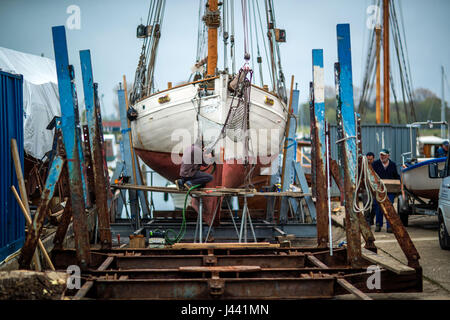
(417, 180)
(421, 175)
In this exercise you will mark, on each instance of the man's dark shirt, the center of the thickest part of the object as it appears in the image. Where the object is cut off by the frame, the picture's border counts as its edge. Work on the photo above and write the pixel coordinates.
(441, 153)
(390, 172)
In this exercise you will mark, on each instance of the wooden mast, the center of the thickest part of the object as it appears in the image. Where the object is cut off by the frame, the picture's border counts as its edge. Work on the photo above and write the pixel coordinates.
(378, 88)
(386, 60)
(212, 21)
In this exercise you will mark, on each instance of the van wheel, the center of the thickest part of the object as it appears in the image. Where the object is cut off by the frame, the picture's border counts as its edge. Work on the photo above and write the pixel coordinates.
(403, 210)
(444, 238)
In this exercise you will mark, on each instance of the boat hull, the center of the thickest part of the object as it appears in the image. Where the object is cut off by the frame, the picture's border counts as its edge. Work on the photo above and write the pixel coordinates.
(229, 174)
(170, 121)
(417, 180)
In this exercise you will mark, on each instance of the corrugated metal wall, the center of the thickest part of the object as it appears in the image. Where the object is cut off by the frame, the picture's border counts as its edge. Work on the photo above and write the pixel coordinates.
(12, 222)
(395, 138)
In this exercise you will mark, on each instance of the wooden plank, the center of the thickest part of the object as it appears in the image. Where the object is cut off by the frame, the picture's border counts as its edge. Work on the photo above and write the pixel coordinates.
(84, 290)
(30, 225)
(224, 245)
(392, 185)
(342, 282)
(220, 269)
(317, 262)
(215, 192)
(106, 264)
(387, 262)
(88, 284)
(353, 290)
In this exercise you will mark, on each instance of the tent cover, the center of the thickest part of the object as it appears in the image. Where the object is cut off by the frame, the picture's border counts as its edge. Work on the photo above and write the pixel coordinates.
(40, 97)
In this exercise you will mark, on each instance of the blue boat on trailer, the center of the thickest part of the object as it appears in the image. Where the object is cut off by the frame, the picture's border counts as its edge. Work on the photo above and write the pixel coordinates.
(421, 179)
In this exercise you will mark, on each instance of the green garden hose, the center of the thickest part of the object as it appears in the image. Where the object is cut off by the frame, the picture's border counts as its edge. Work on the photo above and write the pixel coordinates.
(182, 231)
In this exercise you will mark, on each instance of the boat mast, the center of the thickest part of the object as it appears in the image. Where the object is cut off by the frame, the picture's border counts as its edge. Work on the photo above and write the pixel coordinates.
(378, 94)
(212, 21)
(386, 59)
(443, 135)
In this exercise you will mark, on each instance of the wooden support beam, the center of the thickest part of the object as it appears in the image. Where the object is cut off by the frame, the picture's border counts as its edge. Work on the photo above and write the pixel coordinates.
(342, 282)
(30, 225)
(89, 284)
(34, 232)
(319, 149)
(95, 141)
(402, 236)
(347, 141)
(72, 142)
(387, 262)
(213, 192)
(23, 193)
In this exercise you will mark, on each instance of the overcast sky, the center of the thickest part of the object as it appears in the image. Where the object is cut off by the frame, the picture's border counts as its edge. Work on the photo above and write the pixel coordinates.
(108, 29)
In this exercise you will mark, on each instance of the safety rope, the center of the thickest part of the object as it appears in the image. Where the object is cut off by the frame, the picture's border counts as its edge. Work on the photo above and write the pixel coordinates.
(364, 171)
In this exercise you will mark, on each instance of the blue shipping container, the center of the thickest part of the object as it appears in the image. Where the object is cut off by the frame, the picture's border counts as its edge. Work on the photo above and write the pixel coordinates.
(12, 222)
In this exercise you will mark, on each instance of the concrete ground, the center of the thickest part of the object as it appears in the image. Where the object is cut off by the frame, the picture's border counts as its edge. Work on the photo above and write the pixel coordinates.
(435, 262)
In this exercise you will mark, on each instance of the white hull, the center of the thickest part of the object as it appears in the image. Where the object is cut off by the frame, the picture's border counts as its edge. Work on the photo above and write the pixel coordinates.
(170, 126)
(418, 181)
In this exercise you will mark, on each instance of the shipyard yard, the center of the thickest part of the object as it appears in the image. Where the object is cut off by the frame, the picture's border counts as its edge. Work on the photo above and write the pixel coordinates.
(225, 158)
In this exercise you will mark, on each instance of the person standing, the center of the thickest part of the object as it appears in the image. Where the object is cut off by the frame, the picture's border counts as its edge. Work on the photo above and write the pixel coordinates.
(385, 169)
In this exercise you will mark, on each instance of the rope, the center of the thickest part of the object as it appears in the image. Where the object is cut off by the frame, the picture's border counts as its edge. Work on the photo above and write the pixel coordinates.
(368, 185)
(245, 27)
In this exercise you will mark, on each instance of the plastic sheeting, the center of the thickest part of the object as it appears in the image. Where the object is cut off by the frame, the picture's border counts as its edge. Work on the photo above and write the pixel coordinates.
(40, 97)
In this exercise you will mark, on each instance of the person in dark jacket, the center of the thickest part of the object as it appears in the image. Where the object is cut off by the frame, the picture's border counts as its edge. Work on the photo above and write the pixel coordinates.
(443, 150)
(385, 169)
(190, 174)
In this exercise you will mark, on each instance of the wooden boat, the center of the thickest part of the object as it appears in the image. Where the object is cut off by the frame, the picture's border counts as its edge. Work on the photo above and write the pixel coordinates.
(168, 121)
(416, 178)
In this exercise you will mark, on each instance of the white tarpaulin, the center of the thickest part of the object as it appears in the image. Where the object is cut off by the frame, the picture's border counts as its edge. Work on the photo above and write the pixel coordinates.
(40, 97)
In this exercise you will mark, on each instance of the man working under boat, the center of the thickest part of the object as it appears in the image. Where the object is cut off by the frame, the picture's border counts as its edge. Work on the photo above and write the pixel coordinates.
(193, 159)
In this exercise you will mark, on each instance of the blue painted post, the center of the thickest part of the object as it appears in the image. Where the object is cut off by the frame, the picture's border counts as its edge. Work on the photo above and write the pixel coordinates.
(319, 147)
(72, 142)
(132, 194)
(289, 172)
(95, 133)
(346, 121)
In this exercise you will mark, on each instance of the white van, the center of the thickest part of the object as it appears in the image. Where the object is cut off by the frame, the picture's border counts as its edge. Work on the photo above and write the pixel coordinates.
(444, 208)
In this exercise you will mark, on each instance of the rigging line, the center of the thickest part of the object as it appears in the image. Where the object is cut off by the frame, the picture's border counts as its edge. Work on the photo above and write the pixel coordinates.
(157, 44)
(232, 47)
(151, 15)
(401, 76)
(395, 95)
(264, 42)
(251, 36)
(199, 29)
(245, 27)
(257, 46)
(404, 37)
(270, 41)
(407, 75)
(367, 75)
(225, 35)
